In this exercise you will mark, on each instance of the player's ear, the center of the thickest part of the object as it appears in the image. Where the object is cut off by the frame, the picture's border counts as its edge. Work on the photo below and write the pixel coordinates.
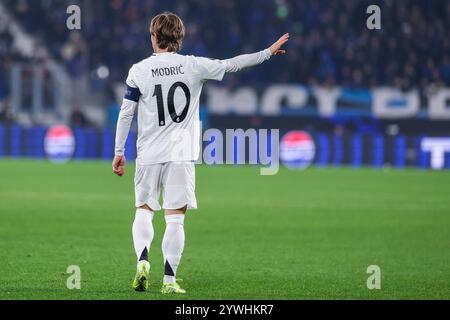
(152, 40)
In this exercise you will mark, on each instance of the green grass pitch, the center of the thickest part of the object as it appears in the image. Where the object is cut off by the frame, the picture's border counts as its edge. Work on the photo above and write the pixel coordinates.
(296, 235)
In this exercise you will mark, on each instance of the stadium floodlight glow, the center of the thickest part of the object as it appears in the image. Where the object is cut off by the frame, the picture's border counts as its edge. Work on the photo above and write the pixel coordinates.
(437, 147)
(103, 72)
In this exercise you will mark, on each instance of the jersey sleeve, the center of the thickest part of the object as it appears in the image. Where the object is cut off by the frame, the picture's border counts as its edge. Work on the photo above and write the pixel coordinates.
(127, 110)
(246, 60)
(133, 93)
(209, 69)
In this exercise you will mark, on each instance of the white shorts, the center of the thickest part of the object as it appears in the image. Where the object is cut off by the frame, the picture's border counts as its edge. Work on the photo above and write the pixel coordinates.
(175, 179)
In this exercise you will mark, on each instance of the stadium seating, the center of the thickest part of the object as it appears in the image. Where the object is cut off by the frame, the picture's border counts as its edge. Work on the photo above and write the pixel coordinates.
(330, 43)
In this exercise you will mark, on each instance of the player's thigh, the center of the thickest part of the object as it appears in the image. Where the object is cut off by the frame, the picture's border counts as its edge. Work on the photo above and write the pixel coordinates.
(147, 185)
(178, 181)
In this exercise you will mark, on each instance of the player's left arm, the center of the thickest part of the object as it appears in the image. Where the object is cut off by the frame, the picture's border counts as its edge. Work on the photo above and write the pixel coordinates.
(249, 60)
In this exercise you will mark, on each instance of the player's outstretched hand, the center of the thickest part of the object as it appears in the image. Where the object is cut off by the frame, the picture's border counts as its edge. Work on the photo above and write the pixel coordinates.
(118, 165)
(275, 48)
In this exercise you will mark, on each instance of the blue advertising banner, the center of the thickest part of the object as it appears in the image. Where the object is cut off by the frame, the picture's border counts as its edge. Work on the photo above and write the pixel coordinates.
(386, 103)
(330, 149)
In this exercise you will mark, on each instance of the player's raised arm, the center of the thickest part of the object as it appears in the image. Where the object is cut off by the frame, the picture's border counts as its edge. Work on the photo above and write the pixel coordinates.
(126, 114)
(209, 69)
(249, 60)
(275, 49)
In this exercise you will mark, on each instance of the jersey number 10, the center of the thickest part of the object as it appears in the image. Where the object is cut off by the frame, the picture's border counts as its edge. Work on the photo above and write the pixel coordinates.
(170, 103)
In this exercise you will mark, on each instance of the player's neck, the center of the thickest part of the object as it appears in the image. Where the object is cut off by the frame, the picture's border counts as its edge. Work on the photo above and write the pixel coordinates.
(158, 50)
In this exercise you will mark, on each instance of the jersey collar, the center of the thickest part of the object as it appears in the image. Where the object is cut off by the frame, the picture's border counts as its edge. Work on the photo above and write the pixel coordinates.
(162, 53)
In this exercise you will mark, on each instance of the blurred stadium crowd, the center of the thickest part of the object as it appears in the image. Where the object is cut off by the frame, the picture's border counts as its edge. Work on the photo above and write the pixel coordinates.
(51, 75)
(330, 42)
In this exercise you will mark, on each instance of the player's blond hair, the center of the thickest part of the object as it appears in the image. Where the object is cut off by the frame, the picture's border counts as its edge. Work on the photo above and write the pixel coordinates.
(168, 28)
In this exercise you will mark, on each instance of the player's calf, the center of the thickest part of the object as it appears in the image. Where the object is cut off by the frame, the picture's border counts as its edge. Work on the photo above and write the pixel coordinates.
(142, 238)
(172, 247)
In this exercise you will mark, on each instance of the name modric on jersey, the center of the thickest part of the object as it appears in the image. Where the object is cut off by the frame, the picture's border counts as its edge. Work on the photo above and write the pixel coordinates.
(168, 71)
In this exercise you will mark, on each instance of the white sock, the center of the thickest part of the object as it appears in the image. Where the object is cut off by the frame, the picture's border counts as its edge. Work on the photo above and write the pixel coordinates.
(142, 233)
(173, 245)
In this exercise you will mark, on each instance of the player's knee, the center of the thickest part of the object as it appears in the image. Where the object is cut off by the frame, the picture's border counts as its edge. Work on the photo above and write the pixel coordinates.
(146, 207)
(181, 210)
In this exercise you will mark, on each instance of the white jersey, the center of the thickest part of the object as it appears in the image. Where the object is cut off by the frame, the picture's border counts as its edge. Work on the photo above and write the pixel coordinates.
(165, 89)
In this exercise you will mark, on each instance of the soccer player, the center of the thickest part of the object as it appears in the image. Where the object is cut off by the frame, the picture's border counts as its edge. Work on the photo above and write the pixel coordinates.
(165, 90)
